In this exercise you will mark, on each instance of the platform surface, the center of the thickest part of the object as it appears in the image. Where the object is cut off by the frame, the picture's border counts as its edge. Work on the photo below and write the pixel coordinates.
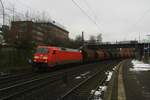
(136, 80)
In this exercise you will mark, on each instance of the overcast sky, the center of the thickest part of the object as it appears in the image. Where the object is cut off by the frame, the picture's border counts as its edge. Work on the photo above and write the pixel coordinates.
(115, 19)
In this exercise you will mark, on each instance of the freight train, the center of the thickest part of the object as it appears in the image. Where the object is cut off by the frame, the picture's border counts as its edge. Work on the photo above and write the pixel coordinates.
(50, 56)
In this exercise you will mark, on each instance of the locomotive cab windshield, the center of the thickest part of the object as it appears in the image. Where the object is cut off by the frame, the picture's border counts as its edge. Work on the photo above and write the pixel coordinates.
(41, 55)
(42, 50)
(46, 55)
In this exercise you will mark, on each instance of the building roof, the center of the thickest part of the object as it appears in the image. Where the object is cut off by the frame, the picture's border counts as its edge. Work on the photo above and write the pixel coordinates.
(53, 24)
(46, 23)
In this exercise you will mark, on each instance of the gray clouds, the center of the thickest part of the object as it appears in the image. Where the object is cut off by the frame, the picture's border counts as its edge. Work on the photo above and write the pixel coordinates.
(117, 19)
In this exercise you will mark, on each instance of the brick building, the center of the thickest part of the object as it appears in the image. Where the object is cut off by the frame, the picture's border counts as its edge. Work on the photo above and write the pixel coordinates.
(38, 32)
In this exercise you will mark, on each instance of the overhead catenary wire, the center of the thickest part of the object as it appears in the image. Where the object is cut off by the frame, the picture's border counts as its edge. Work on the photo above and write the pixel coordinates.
(3, 8)
(140, 18)
(9, 14)
(15, 14)
(91, 9)
(14, 11)
(86, 14)
(25, 5)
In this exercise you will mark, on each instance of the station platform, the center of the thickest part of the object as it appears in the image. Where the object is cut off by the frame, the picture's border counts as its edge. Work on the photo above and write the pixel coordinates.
(131, 81)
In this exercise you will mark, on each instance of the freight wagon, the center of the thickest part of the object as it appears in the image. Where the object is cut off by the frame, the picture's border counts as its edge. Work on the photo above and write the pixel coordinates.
(50, 56)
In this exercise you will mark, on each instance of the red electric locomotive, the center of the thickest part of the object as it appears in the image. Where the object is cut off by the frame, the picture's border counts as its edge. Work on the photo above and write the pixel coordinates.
(49, 56)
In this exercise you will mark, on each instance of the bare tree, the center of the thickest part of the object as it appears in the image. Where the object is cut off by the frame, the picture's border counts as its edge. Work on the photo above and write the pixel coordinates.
(27, 15)
(92, 39)
(78, 40)
(99, 38)
(40, 17)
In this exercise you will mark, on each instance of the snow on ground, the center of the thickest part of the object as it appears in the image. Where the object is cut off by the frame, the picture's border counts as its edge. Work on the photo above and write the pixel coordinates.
(98, 94)
(114, 68)
(109, 74)
(4, 73)
(139, 66)
(78, 77)
(83, 75)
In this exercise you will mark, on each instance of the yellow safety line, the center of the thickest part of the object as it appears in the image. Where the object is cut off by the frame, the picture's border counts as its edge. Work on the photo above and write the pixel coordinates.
(121, 89)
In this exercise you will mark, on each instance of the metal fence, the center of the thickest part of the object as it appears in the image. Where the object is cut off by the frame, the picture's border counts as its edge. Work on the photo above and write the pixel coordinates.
(11, 57)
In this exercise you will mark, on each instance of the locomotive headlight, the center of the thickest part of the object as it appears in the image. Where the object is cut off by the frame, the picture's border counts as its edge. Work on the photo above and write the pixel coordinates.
(45, 57)
(36, 57)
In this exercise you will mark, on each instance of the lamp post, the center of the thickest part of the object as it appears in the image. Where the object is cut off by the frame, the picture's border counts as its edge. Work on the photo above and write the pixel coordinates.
(3, 12)
(148, 35)
(82, 38)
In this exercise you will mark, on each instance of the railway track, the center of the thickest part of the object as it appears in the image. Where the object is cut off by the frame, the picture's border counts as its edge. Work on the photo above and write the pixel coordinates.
(14, 79)
(11, 79)
(77, 92)
(27, 90)
(82, 90)
(55, 91)
(34, 83)
(14, 90)
(9, 76)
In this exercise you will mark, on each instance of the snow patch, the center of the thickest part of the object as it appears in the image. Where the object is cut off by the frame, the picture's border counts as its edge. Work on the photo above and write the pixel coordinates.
(102, 88)
(109, 75)
(114, 68)
(3, 73)
(78, 77)
(99, 93)
(139, 66)
(83, 75)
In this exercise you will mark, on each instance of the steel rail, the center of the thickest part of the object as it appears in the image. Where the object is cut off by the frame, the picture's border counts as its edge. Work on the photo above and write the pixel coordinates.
(21, 85)
(77, 86)
(101, 83)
